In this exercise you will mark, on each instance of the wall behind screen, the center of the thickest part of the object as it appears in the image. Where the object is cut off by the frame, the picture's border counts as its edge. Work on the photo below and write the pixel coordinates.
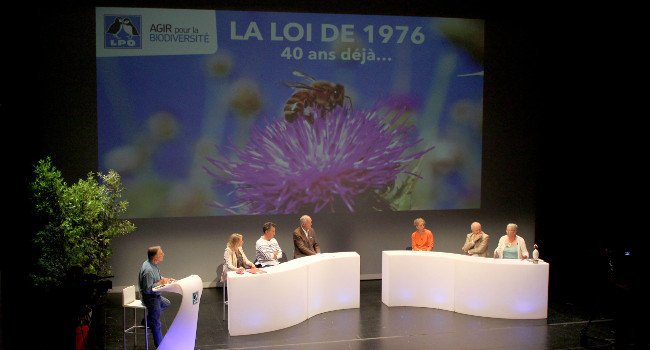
(195, 245)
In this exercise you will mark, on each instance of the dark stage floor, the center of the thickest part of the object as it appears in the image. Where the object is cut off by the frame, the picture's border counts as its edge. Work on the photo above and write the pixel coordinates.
(376, 326)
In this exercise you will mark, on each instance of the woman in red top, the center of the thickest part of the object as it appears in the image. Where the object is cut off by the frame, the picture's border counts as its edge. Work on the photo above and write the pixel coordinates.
(422, 238)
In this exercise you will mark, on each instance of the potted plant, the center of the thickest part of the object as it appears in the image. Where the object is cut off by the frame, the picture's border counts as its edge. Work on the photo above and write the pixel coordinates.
(74, 225)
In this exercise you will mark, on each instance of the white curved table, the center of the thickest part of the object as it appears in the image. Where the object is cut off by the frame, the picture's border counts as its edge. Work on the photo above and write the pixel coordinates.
(500, 288)
(182, 333)
(292, 292)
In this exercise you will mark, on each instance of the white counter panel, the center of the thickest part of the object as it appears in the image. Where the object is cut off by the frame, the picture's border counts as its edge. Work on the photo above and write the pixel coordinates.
(500, 288)
(292, 292)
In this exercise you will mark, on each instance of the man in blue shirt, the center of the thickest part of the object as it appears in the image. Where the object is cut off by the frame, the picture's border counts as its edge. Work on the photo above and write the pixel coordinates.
(149, 278)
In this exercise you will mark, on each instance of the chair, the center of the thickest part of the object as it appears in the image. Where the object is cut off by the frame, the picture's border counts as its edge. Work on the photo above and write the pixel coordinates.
(129, 301)
(220, 269)
(411, 248)
(257, 264)
(225, 298)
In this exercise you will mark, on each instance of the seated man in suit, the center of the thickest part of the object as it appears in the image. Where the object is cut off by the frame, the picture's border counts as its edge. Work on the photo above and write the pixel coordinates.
(304, 239)
(476, 242)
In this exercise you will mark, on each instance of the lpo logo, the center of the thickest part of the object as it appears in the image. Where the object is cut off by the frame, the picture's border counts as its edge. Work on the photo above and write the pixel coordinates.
(122, 32)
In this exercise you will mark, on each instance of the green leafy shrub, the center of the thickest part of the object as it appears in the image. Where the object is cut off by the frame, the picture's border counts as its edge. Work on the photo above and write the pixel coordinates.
(75, 224)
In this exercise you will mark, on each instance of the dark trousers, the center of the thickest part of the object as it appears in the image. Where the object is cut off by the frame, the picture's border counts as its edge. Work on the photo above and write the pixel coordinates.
(155, 304)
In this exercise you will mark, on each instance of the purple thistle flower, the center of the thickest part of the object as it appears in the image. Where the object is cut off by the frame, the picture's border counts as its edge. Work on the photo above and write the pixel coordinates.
(333, 163)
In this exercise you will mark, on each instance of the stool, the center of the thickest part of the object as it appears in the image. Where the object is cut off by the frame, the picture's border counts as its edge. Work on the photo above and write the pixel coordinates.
(129, 301)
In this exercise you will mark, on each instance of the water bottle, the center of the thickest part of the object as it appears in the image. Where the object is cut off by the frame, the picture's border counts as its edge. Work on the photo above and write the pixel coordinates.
(535, 254)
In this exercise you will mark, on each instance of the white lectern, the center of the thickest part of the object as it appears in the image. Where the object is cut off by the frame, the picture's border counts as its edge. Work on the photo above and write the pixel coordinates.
(182, 333)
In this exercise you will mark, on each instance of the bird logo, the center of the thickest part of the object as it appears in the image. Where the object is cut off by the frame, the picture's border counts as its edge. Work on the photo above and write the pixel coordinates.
(122, 32)
(122, 24)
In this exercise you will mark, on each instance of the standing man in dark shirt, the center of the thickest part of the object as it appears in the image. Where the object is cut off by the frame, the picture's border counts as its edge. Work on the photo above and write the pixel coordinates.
(304, 239)
(149, 278)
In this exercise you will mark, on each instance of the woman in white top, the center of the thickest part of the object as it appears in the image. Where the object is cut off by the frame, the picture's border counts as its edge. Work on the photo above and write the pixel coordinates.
(234, 258)
(511, 246)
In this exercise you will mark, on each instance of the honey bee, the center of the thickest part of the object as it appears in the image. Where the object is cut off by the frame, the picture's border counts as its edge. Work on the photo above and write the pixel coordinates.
(320, 95)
